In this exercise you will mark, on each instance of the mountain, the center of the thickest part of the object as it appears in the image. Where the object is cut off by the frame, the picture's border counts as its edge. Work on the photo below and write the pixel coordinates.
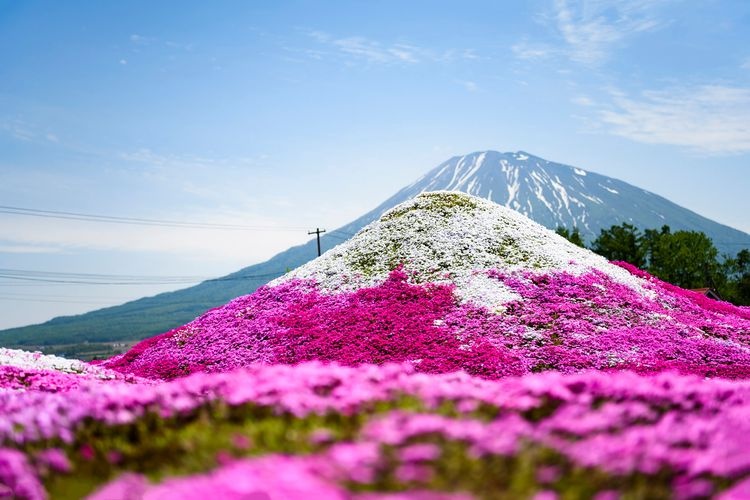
(447, 281)
(554, 194)
(550, 193)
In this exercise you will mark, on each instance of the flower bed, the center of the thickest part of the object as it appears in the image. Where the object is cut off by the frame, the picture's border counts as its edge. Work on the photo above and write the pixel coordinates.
(381, 429)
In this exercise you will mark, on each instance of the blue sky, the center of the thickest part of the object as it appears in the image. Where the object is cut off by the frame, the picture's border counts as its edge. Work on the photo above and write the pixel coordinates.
(309, 113)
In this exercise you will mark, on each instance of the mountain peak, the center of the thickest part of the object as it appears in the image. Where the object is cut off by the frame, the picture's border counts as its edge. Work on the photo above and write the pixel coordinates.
(555, 194)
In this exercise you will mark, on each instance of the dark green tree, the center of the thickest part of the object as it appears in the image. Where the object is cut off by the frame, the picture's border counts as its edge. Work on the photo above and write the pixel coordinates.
(572, 236)
(687, 259)
(621, 242)
(737, 289)
(650, 247)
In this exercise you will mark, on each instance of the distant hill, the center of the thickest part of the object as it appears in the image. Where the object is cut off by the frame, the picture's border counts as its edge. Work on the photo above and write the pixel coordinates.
(550, 193)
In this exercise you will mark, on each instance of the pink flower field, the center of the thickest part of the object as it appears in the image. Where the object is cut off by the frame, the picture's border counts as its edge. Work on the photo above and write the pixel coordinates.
(452, 349)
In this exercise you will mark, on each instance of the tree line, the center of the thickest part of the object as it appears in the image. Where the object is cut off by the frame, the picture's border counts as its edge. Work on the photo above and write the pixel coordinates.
(687, 259)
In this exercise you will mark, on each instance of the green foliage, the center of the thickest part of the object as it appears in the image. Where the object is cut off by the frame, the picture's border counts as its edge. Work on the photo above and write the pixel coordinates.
(737, 270)
(162, 447)
(687, 259)
(573, 236)
(623, 242)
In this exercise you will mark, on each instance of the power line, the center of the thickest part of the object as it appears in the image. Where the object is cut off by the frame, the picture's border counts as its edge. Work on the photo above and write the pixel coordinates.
(339, 231)
(61, 294)
(341, 238)
(53, 214)
(27, 272)
(48, 277)
(88, 302)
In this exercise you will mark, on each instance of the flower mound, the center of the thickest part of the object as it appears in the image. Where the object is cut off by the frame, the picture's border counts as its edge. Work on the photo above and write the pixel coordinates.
(448, 282)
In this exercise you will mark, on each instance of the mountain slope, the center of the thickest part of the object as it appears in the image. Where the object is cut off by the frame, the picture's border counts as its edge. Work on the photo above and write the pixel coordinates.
(552, 194)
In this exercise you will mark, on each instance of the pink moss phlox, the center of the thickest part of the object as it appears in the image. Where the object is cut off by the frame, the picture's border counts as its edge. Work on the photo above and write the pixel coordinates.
(128, 486)
(562, 322)
(697, 298)
(55, 459)
(293, 322)
(18, 477)
(568, 322)
(618, 422)
(265, 478)
(26, 379)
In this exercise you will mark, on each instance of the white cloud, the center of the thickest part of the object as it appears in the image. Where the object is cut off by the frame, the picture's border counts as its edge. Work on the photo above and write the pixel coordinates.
(531, 51)
(214, 179)
(582, 100)
(469, 85)
(375, 52)
(32, 235)
(590, 29)
(27, 249)
(140, 39)
(26, 132)
(221, 190)
(713, 119)
(745, 64)
(18, 130)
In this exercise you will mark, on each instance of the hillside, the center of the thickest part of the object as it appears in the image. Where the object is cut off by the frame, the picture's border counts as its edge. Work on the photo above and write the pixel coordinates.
(552, 194)
(448, 281)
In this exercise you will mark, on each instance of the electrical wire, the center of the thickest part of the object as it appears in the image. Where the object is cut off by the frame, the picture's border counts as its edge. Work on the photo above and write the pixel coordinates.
(113, 279)
(54, 214)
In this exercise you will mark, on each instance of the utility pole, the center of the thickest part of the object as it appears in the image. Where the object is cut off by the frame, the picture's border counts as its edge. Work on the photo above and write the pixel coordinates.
(317, 232)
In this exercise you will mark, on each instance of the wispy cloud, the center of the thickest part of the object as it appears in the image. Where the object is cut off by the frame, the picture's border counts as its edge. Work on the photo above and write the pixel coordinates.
(47, 236)
(529, 51)
(468, 85)
(376, 52)
(27, 249)
(26, 132)
(215, 179)
(152, 158)
(590, 29)
(142, 41)
(713, 119)
(582, 100)
(17, 130)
